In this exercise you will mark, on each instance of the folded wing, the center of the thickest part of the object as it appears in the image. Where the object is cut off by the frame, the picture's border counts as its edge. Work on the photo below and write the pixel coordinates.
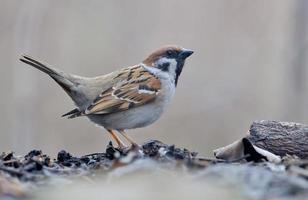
(137, 88)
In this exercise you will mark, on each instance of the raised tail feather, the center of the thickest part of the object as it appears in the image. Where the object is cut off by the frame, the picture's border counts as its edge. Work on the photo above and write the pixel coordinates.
(38, 65)
(61, 78)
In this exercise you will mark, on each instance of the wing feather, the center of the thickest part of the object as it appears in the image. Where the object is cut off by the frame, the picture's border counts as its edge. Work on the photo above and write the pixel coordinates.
(138, 87)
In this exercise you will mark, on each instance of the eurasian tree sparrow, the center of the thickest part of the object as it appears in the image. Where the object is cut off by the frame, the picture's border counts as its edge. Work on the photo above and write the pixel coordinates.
(129, 98)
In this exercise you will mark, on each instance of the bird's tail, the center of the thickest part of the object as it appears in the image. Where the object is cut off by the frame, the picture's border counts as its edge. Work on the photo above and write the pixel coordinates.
(67, 81)
(61, 78)
(37, 64)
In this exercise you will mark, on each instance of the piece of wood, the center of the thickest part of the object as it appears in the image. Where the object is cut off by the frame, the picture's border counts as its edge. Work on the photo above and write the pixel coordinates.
(280, 138)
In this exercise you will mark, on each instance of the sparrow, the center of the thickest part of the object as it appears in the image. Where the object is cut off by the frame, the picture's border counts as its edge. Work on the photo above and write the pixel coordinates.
(132, 97)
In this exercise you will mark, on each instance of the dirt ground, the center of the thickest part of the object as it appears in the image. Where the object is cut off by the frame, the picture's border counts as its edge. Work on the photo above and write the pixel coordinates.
(152, 170)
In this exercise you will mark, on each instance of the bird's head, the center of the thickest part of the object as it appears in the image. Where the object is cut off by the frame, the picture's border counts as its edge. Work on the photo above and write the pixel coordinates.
(169, 59)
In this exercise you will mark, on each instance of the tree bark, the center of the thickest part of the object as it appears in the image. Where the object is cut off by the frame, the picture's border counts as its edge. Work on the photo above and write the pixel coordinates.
(280, 138)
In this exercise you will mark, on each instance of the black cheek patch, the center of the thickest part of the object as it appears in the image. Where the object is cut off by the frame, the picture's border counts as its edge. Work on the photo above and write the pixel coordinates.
(164, 67)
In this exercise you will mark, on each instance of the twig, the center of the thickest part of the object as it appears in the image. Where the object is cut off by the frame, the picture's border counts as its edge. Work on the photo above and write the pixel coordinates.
(210, 159)
(222, 160)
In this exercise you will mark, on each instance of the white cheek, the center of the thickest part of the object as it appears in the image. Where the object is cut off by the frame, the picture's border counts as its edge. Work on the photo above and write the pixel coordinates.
(172, 65)
(161, 61)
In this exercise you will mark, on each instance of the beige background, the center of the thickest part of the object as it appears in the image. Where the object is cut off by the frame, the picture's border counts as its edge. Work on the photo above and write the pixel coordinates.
(249, 63)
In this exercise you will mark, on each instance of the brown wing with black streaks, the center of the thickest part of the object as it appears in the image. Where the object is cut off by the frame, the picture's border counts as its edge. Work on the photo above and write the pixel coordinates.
(137, 88)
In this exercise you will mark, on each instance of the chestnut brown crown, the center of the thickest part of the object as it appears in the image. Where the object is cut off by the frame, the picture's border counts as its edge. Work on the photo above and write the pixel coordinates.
(171, 51)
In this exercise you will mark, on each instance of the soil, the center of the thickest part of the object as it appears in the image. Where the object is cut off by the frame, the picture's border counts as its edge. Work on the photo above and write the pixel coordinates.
(20, 174)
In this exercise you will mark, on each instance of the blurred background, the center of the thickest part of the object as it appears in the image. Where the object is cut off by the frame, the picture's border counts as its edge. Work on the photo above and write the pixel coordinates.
(250, 63)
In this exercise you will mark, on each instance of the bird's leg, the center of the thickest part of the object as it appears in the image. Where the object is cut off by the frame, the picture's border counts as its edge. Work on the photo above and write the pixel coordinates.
(128, 138)
(117, 139)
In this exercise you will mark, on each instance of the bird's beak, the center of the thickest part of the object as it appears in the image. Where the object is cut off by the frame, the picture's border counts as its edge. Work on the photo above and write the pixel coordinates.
(186, 53)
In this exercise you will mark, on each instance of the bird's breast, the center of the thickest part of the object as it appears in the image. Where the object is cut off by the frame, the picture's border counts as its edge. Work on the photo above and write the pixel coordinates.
(167, 91)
